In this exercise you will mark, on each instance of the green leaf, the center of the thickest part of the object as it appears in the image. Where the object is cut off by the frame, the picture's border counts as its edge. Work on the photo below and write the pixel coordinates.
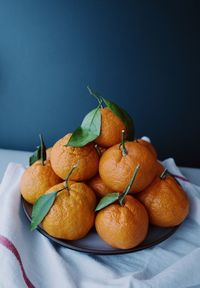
(123, 115)
(89, 130)
(118, 111)
(41, 208)
(40, 153)
(35, 157)
(43, 149)
(107, 200)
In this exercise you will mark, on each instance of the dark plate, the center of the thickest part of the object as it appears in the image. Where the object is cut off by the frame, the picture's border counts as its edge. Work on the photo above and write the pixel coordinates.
(93, 244)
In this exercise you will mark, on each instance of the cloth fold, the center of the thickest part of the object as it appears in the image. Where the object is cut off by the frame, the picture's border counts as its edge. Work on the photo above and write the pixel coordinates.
(28, 259)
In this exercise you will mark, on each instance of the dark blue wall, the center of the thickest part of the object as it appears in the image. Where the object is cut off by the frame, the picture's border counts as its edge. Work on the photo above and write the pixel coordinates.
(141, 54)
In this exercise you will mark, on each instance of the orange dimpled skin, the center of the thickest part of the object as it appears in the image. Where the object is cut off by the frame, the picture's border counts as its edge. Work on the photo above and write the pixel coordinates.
(111, 129)
(63, 158)
(160, 168)
(166, 202)
(116, 170)
(36, 180)
(48, 151)
(123, 227)
(72, 214)
(97, 184)
(149, 146)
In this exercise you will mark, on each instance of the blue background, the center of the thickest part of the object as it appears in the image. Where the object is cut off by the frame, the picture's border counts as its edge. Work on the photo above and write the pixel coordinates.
(144, 55)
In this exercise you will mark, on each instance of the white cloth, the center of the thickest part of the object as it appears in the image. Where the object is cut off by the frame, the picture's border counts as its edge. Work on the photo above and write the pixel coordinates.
(172, 264)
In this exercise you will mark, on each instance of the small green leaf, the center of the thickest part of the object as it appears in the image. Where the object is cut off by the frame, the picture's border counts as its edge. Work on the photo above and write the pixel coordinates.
(123, 115)
(89, 130)
(118, 111)
(107, 200)
(41, 208)
(35, 157)
(40, 153)
(43, 149)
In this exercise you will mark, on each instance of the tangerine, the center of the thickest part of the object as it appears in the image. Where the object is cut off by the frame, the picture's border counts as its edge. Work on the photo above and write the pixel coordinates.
(166, 202)
(63, 158)
(111, 127)
(118, 163)
(123, 227)
(72, 213)
(36, 180)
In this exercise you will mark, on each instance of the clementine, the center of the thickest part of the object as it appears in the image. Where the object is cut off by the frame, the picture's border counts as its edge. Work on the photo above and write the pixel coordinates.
(99, 186)
(63, 158)
(48, 153)
(72, 213)
(166, 202)
(149, 146)
(118, 163)
(111, 127)
(124, 226)
(160, 168)
(36, 180)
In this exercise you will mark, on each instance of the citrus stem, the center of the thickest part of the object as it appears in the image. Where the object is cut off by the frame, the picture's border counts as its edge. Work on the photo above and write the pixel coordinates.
(43, 149)
(60, 190)
(96, 96)
(98, 150)
(126, 191)
(164, 174)
(69, 173)
(122, 145)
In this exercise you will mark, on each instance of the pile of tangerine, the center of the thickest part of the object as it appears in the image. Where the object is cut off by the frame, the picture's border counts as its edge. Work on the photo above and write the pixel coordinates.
(132, 188)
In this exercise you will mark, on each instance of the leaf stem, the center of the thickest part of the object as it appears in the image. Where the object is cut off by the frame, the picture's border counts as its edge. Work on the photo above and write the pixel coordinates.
(60, 190)
(69, 173)
(98, 150)
(43, 149)
(122, 145)
(94, 94)
(126, 191)
(164, 174)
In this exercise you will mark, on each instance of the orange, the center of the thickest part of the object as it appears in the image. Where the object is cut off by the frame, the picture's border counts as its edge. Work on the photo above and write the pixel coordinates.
(111, 129)
(160, 168)
(125, 226)
(72, 213)
(48, 153)
(116, 170)
(63, 158)
(149, 146)
(99, 186)
(165, 201)
(36, 180)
